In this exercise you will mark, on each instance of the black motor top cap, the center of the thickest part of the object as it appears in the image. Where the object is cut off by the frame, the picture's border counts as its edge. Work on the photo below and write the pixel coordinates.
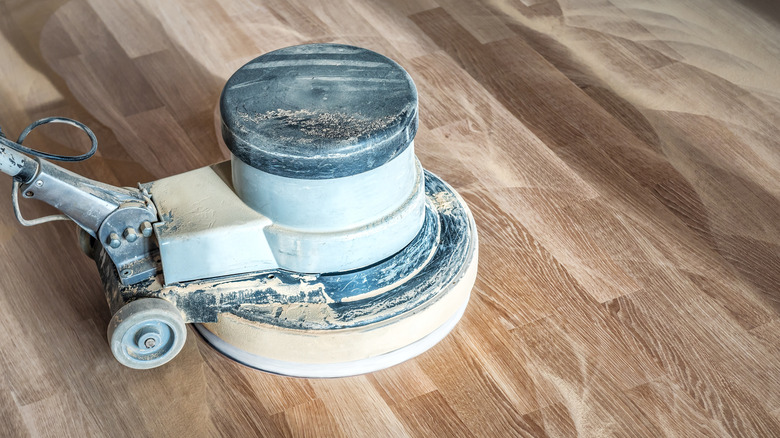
(319, 111)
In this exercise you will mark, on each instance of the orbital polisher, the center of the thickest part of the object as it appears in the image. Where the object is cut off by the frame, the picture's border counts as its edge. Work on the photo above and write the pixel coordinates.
(321, 249)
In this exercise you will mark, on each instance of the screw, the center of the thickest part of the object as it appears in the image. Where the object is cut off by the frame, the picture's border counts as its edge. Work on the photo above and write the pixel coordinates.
(130, 234)
(149, 343)
(113, 240)
(39, 183)
(146, 229)
(29, 194)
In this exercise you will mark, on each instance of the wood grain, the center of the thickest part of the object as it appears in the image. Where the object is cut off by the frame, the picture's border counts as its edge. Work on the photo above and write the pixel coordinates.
(620, 156)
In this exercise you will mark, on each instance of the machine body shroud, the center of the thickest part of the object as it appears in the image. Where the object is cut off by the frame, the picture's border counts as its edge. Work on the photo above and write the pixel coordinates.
(321, 137)
(206, 230)
(312, 325)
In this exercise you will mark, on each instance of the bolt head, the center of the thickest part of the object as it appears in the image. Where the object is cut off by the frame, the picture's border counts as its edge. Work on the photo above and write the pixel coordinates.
(149, 343)
(146, 229)
(113, 240)
(130, 234)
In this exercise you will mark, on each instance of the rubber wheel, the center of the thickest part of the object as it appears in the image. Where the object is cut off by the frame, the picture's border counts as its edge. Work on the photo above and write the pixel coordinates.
(146, 333)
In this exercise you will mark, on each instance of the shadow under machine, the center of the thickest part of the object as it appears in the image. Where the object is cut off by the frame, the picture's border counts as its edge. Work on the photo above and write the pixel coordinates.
(321, 249)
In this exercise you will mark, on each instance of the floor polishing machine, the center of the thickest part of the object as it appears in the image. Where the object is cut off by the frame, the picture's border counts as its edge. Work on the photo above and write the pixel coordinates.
(321, 249)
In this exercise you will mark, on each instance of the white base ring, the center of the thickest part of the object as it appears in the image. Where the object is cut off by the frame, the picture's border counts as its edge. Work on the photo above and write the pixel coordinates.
(340, 369)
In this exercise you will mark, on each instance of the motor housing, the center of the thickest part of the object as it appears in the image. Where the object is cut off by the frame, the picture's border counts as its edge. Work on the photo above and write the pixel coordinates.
(321, 137)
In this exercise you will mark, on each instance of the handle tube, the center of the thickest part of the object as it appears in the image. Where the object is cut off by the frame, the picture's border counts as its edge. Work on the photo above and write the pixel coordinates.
(86, 202)
(16, 164)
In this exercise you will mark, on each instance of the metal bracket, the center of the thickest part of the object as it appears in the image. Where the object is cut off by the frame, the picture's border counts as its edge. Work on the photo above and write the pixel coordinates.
(127, 237)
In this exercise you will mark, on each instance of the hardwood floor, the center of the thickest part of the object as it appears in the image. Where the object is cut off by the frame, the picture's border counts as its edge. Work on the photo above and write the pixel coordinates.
(621, 159)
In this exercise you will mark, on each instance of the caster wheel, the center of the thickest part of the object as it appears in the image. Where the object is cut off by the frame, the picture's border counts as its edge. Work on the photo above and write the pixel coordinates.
(86, 242)
(146, 333)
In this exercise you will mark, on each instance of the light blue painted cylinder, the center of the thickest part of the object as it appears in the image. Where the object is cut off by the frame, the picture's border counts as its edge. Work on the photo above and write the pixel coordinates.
(322, 143)
(339, 224)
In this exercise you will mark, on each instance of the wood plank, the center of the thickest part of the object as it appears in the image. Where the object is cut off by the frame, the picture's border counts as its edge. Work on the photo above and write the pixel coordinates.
(620, 159)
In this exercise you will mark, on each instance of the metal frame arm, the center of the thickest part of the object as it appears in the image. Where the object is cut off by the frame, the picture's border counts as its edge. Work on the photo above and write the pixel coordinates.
(86, 202)
(120, 219)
